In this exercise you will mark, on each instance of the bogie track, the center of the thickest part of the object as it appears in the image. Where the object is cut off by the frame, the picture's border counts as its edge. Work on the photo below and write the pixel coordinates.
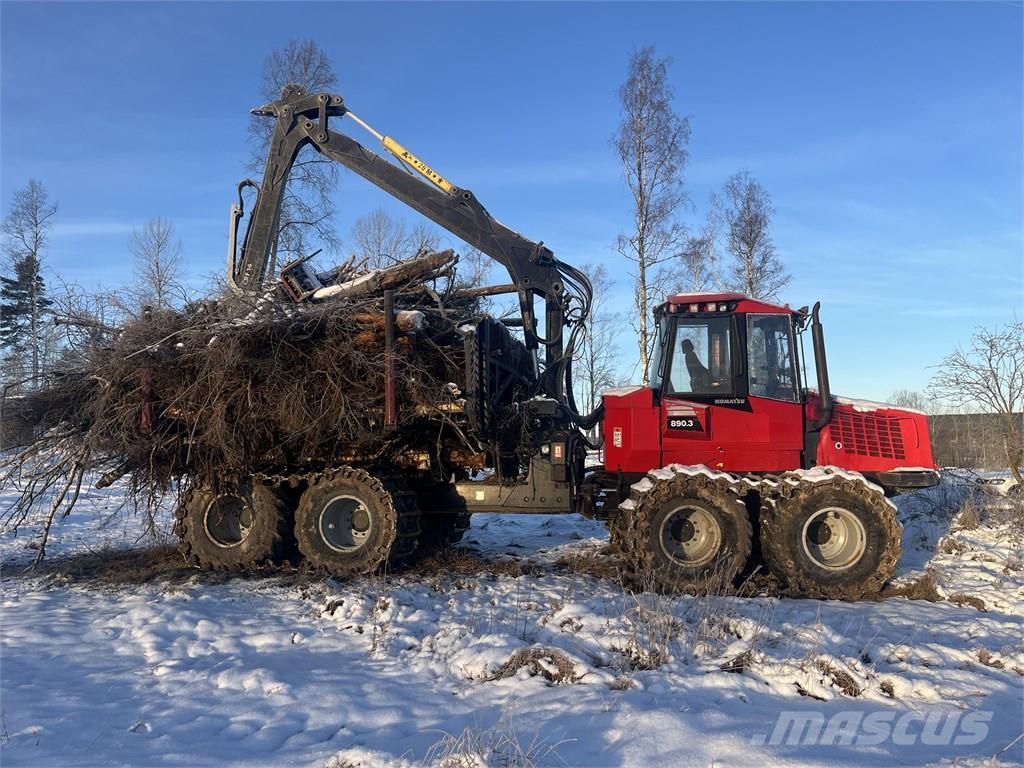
(824, 532)
(271, 518)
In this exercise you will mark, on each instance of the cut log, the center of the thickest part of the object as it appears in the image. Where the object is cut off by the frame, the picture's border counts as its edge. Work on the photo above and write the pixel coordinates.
(379, 280)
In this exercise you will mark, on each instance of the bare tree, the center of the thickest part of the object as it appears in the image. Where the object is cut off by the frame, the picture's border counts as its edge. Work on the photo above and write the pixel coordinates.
(381, 241)
(23, 300)
(756, 269)
(83, 319)
(990, 374)
(912, 398)
(474, 268)
(158, 267)
(596, 367)
(307, 209)
(697, 267)
(651, 143)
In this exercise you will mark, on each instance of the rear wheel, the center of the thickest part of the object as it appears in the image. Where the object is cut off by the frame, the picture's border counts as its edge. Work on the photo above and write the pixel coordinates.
(687, 532)
(836, 539)
(233, 530)
(349, 522)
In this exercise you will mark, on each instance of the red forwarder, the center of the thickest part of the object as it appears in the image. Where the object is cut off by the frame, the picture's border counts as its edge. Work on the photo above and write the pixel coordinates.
(727, 458)
(728, 393)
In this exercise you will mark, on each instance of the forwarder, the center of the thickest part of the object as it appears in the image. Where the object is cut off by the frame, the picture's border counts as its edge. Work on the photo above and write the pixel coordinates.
(727, 440)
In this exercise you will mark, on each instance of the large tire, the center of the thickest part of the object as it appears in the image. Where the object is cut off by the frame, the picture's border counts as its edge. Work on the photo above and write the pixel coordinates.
(350, 523)
(441, 530)
(688, 532)
(836, 538)
(234, 531)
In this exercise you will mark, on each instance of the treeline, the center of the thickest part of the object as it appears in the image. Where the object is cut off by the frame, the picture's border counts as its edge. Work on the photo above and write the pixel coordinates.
(43, 323)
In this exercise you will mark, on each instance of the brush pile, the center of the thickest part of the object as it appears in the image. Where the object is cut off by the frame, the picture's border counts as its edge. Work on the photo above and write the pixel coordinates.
(227, 388)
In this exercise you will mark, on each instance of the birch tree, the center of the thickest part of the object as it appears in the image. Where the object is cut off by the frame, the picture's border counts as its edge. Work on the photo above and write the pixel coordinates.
(651, 143)
(990, 374)
(158, 266)
(383, 241)
(756, 270)
(596, 368)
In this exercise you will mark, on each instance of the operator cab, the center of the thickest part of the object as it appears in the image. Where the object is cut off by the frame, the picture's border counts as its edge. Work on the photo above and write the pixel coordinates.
(725, 347)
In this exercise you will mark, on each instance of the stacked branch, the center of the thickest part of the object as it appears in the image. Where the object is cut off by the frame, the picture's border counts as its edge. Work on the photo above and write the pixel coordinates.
(225, 389)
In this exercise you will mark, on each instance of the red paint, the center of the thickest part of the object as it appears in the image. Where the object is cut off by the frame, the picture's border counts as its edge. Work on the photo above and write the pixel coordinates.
(753, 434)
(873, 440)
(768, 438)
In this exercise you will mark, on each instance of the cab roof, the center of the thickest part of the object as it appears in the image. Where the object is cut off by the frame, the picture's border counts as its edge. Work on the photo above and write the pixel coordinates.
(740, 303)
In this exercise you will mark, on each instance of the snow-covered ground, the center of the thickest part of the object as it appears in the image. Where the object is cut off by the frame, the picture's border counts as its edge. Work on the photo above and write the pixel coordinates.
(517, 651)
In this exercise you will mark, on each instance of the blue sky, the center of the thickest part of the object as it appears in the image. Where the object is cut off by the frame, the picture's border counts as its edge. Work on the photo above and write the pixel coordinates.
(889, 135)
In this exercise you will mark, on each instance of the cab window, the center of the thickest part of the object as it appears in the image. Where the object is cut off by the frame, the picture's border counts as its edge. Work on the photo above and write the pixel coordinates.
(701, 358)
(770, 357)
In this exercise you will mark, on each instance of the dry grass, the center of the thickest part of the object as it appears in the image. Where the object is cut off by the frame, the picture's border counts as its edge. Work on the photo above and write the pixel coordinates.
(840, 678)
(970, 514)
(549, 663)
(963, 599)
(459, 561)
(601, 564)
(739, 664)
(925, 587)
(501, 746)
(986, 658)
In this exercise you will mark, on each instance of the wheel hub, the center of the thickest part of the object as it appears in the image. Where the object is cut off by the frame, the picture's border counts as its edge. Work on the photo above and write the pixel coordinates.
(228, 521)
(691, 536)
(345, 523)
(834, 538)
(360, 521)
(683, 531)
(819, 533)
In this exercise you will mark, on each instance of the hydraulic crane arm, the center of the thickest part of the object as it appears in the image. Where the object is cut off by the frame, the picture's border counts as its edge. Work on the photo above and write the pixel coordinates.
(303, 119)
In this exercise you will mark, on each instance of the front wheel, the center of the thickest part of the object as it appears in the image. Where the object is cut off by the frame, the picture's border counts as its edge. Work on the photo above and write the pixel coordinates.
(834, 539)
(689, 532)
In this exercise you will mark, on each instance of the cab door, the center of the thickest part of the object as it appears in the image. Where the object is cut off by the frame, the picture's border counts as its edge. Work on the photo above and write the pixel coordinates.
(730, 397)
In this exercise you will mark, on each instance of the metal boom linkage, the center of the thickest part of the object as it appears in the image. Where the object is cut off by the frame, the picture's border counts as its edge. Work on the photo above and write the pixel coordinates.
(303, 119)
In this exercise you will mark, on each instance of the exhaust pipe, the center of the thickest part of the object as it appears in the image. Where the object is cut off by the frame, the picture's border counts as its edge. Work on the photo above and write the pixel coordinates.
(821, 368)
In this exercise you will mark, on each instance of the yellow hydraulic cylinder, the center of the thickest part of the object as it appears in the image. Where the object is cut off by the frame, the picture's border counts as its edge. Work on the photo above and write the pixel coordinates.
(409, 158)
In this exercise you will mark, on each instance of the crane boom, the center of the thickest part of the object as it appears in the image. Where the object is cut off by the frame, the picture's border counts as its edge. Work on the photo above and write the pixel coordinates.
(304, 120)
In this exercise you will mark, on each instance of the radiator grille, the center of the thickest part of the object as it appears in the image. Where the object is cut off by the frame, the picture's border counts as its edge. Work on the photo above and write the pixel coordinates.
(869, 434)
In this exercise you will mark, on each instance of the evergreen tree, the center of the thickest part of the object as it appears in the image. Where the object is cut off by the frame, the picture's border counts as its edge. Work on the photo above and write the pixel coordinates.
(23, 299)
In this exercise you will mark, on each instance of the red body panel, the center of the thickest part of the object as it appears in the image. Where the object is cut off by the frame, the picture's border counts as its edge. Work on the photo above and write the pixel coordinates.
(742, 303)
(873, 437)
(632, 430)
(754, 434)
(640, 435)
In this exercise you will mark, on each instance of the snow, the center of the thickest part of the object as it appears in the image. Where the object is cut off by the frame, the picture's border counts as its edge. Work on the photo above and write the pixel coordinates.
(869, 406)
(192, 668)
(620, 391)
